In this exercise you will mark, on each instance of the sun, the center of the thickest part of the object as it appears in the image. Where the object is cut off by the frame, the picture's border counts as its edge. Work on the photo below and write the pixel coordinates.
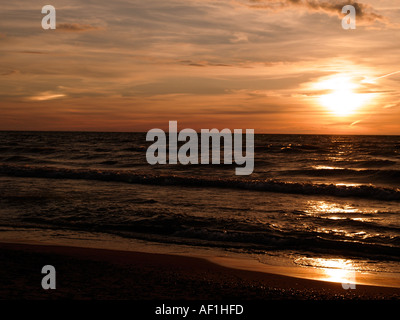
(342, 99)
(343, 102)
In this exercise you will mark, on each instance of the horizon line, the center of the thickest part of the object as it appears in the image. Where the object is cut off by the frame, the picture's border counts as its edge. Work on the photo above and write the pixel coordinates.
(256, 133)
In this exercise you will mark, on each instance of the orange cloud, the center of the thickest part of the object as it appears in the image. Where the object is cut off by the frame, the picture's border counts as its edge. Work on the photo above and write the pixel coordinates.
(47, 96)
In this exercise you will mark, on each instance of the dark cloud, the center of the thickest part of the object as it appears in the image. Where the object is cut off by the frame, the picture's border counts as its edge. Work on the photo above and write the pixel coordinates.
(203, 63)
(364, 11)
(76, 27)
(8, 72)
(32, 52)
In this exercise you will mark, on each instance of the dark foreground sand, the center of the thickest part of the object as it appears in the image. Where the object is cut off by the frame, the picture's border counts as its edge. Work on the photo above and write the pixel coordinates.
(84, 273)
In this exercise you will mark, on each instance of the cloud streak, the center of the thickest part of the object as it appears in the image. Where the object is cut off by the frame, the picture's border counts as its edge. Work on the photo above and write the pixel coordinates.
(44, 96)
(365, 12)
(381, 77)
(76, 27)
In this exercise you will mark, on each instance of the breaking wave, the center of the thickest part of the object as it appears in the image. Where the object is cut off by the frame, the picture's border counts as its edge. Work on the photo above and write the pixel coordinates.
(269, 185)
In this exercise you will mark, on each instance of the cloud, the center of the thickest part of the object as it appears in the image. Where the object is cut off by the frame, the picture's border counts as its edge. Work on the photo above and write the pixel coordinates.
(380, 77)
(32, 52)
(355, 122)
(224, 60)
(9, 72)
(44, 96)
(76, 27)
(239, 37)
(391, 105)
(203, 63)
(365, 12)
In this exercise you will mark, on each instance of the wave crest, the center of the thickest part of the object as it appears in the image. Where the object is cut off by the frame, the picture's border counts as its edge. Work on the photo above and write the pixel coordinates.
(306, 188)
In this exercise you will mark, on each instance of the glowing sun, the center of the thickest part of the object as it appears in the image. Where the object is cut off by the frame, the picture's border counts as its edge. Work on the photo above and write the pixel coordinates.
(342, 100)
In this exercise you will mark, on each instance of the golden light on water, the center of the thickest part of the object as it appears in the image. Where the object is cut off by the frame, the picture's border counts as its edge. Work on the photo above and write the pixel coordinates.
(334, 270)
(338, 270)
(324, 207)
(336, 211)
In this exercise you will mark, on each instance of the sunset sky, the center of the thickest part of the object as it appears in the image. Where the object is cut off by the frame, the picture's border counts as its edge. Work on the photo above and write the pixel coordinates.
(274, 66)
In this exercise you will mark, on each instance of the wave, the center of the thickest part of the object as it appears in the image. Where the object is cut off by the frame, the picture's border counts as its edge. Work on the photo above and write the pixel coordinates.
(109, 162)
(389, 152)
(289, 148)
(28, 150)
(135, 149)
(182, 229)
(375, 163)
(17, 159)
(372, 174)
(305, 188)
(26, 159)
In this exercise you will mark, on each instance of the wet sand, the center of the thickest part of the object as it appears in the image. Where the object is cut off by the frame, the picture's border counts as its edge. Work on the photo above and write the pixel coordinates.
(87, 273)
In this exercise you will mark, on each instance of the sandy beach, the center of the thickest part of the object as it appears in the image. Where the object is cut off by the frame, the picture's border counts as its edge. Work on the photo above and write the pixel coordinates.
(87, 273)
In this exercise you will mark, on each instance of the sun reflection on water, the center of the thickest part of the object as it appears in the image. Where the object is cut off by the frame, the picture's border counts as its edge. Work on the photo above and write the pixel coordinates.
(348, 184)
(326, 207)
(337, 211)
(334, 270)
(339, 271)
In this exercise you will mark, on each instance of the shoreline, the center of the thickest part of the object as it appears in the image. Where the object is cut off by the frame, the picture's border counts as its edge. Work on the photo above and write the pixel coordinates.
(93, 273)
(339, 272)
